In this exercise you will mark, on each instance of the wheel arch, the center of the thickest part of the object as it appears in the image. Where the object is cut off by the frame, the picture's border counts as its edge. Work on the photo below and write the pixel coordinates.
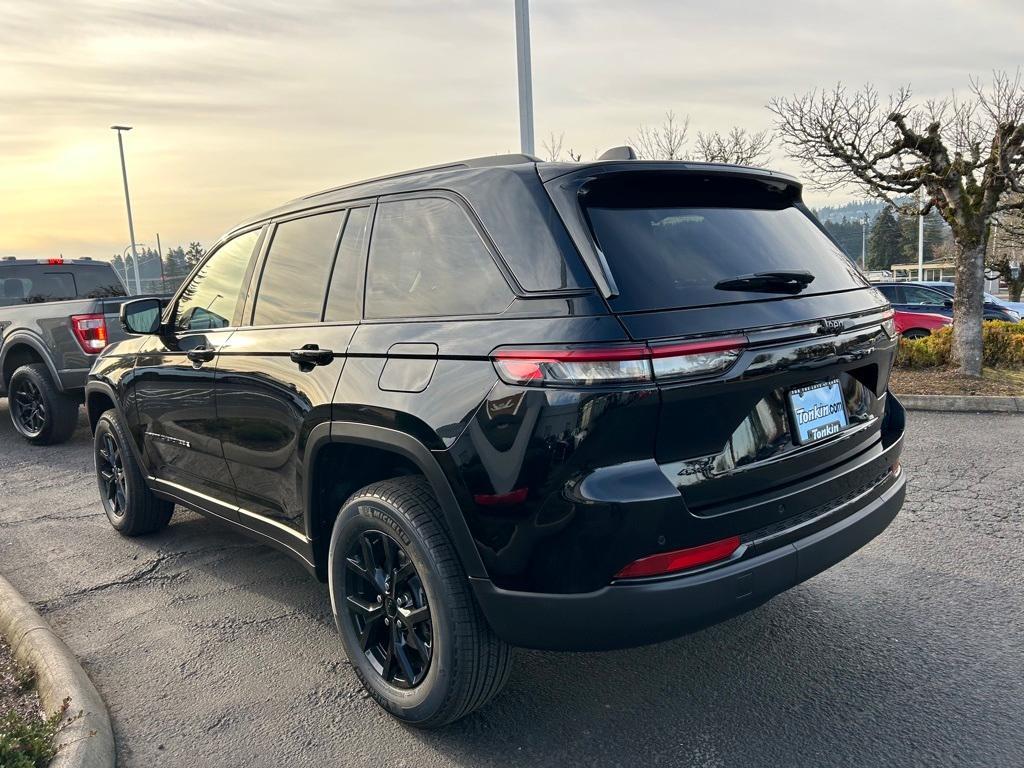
(21, 348)
(408, 452)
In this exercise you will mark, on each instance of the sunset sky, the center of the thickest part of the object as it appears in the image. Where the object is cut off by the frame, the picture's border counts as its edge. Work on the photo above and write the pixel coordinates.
(238, 106)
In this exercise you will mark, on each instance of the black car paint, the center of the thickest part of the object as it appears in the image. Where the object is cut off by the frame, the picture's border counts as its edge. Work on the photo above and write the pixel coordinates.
(604, 482)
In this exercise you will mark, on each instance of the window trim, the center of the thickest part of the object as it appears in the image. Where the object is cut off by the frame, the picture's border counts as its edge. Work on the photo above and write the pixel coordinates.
(515, 289)
(256, 277)
(168, 320)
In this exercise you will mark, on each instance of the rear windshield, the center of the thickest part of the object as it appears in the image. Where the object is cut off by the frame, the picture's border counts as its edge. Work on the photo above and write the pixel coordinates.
(669, 239)
(39, 283)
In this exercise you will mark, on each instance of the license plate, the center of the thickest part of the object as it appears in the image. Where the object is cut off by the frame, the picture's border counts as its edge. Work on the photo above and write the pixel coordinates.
(819, 411)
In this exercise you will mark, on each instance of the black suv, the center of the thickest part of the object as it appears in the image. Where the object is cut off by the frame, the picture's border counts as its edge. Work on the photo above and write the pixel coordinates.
(506, 402)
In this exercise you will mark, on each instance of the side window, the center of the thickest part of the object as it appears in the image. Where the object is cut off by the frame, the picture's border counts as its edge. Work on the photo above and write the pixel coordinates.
(342, 302)
(916, 295)
(210, 300)
(427, 260)
(294, 277)
(890, 293)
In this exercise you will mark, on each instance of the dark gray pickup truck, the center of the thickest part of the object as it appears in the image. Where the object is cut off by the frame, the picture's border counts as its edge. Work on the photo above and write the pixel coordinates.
(55, 316)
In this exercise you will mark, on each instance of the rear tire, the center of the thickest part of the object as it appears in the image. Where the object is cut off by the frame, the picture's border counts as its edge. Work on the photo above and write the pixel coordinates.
(409, 623)
(916, 333)
(131, 507)
(41, 413)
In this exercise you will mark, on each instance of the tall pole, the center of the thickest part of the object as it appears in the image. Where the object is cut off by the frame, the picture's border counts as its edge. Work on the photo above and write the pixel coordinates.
(920, 242)
(863, 242)
(525, 76)
(160, 260)
(128, 204)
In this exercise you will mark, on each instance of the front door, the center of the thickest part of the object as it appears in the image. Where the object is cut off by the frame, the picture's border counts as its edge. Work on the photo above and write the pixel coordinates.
(178, 426)
(276, 378)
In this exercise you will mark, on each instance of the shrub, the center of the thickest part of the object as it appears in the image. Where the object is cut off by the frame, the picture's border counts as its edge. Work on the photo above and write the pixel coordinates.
(1002, 347)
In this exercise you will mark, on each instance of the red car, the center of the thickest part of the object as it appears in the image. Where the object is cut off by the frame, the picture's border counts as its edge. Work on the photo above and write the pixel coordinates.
(917, 325)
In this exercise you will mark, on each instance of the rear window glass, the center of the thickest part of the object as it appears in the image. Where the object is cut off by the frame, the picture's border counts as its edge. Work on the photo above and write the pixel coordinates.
(40, 283)
(668, 242)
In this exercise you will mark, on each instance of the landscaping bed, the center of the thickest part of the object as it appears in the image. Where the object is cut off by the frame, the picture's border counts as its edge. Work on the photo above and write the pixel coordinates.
(27, 735)
(924, 366)
(949, 381)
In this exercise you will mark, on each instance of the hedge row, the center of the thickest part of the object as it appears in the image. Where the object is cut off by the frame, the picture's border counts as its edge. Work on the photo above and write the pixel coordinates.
(1002, 347)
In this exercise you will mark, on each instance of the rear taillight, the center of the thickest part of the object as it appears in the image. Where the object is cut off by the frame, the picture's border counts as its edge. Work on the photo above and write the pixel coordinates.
(616, 364)
(90, 331)
(680, 559)
(889, 325)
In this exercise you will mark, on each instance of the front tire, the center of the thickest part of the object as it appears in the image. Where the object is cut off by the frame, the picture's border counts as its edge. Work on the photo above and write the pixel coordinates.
(41, 413)
(410, 625)
(131, 507)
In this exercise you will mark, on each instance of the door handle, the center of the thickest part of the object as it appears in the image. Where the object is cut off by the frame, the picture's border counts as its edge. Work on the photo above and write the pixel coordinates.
(311, 355)
(200, 355)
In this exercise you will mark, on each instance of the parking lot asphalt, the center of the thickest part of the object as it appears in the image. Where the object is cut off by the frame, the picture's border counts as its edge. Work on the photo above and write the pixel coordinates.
(213, 650)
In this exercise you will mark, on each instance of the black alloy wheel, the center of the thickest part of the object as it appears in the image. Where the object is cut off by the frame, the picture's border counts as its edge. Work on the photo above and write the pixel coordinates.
(28, 407)
(114, 484)
(387, 605)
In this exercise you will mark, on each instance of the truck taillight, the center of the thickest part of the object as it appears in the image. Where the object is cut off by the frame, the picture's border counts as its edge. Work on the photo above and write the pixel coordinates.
(90, 331)
(616, 364)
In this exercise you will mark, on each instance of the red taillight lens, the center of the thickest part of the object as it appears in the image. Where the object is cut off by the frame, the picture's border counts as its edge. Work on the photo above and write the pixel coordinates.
(54, 262)
(91, 332)
(680, 559)
(622, 364)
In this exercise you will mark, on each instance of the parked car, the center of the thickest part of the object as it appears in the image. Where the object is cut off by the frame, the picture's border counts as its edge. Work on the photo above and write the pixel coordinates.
(55, 317)
(917, 325)
(948, 288)
(917, 297)
(508, 402)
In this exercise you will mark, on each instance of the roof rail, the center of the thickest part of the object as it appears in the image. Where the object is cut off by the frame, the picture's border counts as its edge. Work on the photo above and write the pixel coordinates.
(473, 162)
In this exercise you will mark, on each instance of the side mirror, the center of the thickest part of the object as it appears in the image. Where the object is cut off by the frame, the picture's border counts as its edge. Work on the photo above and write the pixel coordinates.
(948, 303)
(141, 316)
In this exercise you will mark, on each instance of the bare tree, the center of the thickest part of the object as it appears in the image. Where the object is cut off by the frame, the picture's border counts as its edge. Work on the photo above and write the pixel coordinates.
(1005, 255)
(738, 147)
(964, 153)
(665, 142)
(552, 146)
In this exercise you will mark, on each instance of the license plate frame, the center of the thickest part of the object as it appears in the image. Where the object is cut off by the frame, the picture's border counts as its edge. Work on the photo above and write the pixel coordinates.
(817, 411)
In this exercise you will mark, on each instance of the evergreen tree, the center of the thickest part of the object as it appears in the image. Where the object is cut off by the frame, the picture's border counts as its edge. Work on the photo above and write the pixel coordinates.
(885, 243)
(117, 262)
(848, 234)
(175, 262)
(194, 254)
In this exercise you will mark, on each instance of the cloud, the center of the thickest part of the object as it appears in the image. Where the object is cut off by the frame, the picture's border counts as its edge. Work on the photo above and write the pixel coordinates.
(240, 105)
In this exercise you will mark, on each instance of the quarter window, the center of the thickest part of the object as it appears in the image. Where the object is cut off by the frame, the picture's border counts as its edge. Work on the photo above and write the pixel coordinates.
(294, 278)
(210, 300)
(427, 260)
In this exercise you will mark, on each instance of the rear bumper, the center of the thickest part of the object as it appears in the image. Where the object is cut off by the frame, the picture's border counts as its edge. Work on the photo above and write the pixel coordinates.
(622, 615)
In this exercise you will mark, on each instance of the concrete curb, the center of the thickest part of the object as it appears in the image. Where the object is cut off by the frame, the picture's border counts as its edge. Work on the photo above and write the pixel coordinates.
(89, 739)
(963, 403)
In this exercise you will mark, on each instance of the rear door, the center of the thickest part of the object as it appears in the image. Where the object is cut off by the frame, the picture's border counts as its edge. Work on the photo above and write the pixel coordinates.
(766, 382)
(277, 376)
(173, 379)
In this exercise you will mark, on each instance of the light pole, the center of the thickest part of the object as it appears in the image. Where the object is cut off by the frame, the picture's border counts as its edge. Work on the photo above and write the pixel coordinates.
(920, 239)
(863, 242)
(128, 203)
(525, 76)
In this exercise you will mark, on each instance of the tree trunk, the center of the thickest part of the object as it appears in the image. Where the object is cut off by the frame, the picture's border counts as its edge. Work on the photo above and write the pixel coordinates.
(1016, 288)
(968, 308)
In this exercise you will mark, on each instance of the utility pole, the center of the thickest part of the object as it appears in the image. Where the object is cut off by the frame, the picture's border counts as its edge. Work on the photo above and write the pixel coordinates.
(160, 259)
(525, 76)
(128, 204)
